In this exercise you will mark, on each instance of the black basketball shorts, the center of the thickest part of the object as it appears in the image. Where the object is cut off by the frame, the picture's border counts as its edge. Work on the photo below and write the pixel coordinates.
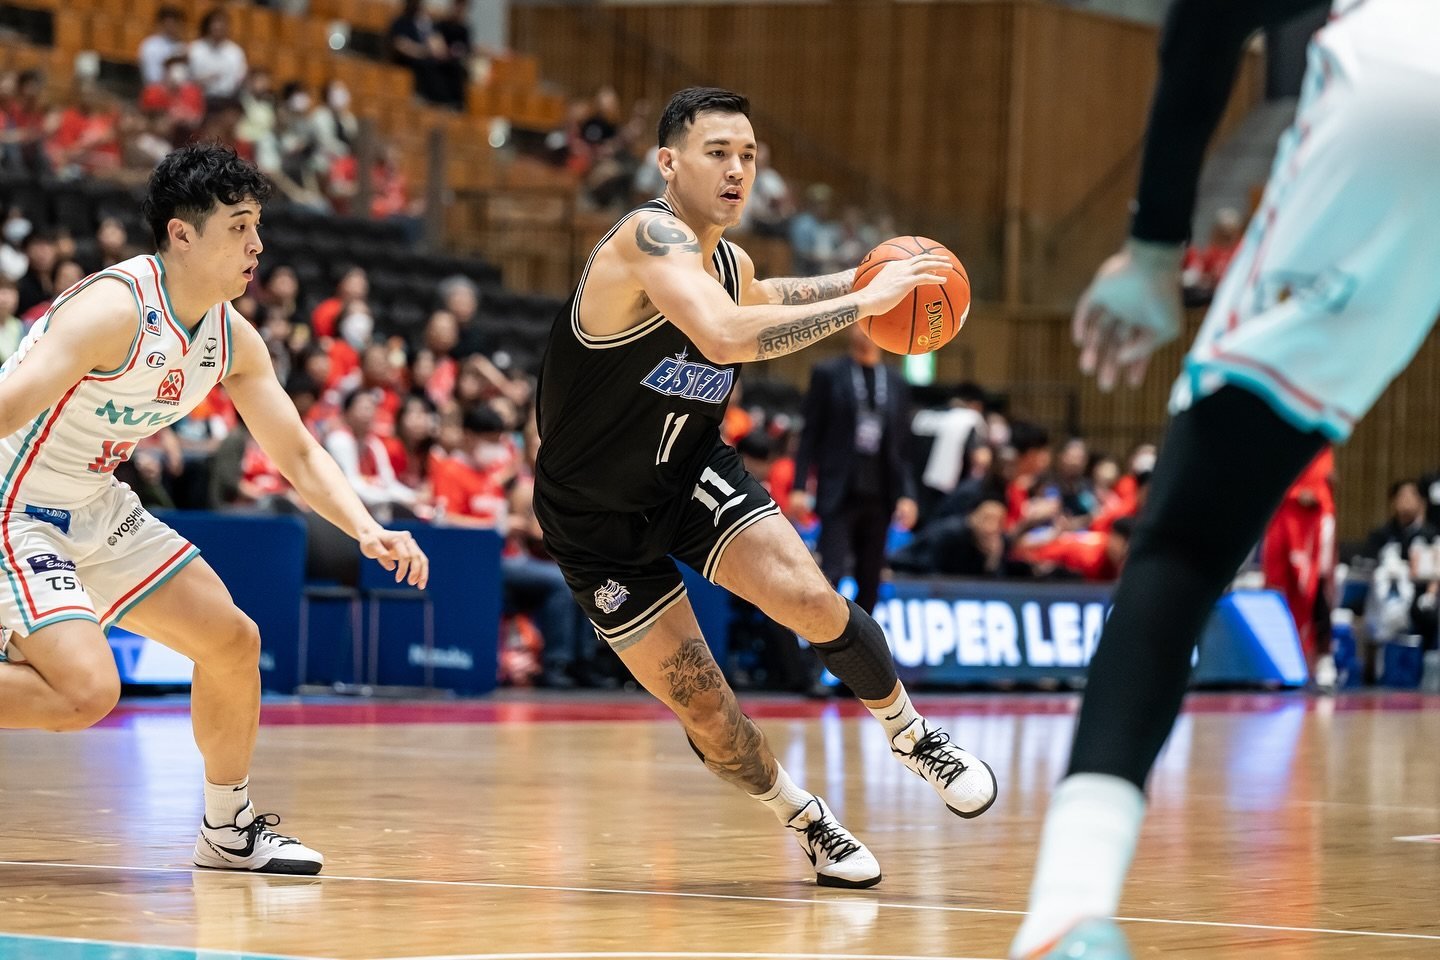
(621, 566)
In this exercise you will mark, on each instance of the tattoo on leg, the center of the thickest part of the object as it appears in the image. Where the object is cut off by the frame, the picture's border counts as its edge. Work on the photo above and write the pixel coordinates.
(786, 338)
(747, 760)
(661, 234)
(691, 671)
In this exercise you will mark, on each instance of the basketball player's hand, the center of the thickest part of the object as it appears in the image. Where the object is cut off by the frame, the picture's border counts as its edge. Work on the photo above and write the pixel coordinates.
(1131, 309)
(897, 278)
(397, 550)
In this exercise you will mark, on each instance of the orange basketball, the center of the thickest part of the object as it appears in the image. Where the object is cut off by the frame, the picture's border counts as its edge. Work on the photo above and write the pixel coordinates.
(931, 316)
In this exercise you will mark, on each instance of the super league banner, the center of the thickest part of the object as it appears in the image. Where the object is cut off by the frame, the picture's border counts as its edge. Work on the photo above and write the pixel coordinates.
(991, 631)
(960, 631)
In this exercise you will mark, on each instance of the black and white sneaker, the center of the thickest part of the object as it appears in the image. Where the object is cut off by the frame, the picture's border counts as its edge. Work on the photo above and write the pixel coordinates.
(838, 858)
(251, 844)
(964, 781)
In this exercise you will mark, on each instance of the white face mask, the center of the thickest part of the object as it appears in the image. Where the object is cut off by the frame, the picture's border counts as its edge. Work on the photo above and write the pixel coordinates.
(177, 74)
(16, 231)
(356, 329)
(339, 98)
(488, 453)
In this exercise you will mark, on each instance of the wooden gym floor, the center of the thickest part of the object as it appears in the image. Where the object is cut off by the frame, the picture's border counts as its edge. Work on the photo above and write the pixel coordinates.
(583, 827)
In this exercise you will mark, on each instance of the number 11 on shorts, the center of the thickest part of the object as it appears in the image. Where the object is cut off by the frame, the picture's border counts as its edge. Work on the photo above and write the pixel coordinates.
(668, 436)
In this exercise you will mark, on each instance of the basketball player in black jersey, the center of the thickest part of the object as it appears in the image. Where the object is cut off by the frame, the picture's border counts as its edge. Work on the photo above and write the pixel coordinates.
(632, 471)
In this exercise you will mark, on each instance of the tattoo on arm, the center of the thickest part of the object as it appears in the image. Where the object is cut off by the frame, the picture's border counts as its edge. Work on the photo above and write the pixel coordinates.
(810, 289)
(786, 338)
(661, 235)
(734, 750)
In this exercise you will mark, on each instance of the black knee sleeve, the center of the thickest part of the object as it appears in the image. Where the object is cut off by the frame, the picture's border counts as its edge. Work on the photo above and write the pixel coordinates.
(860, 657)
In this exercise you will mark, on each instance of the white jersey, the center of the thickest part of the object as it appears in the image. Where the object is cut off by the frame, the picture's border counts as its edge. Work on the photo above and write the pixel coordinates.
(65, 457)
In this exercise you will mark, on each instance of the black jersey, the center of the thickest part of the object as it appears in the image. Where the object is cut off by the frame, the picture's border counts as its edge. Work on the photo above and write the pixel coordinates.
(627, 420)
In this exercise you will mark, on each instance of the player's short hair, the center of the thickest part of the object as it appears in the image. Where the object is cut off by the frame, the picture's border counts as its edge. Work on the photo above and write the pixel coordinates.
(689, 103)
(190, 182)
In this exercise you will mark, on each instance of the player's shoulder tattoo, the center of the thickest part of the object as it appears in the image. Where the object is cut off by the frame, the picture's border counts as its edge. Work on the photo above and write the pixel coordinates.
(660, 234)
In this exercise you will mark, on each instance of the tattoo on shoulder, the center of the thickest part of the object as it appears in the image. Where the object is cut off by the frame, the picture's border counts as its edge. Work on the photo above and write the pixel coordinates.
(661, 235)
(810, 289)
(786, 338)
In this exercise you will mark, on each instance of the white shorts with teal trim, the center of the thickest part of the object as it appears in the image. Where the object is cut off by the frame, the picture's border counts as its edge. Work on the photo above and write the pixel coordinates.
(93, 562)
(1337, 281)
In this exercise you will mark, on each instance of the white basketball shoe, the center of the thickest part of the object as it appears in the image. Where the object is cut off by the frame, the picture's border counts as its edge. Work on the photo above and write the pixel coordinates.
(839, 859)
(964, 781)
(250, 844)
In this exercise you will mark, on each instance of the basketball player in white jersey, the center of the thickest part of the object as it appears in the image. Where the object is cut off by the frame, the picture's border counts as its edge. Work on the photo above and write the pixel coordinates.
(1331, 293)
(119, 355)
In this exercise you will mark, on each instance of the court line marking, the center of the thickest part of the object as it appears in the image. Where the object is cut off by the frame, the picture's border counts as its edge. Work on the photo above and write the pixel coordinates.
(490, 885)
(201, 953)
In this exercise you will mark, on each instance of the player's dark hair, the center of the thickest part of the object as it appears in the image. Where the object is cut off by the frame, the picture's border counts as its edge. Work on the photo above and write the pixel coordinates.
(190, 182)
(689, 103)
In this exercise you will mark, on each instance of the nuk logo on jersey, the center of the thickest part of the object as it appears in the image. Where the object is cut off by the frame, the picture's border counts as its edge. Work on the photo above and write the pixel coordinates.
(171, 387)
(152, 322)
(677, 377)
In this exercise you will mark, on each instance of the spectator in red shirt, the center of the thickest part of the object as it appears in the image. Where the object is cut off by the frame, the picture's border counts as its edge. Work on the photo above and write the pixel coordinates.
(86, 142)
(442, 335)
(1094, 556)
(470, 469)
(26, 115)
(1297, 553)
(354, 285)
(176, 96)
(1032, 458)
(416, 430)
(365, 461)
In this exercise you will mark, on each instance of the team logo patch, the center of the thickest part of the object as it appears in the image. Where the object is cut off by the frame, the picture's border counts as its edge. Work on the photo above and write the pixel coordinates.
(152, 322)
(155, 359)
(171, 387)
(677, 377)
(49, 562)
(611, 597)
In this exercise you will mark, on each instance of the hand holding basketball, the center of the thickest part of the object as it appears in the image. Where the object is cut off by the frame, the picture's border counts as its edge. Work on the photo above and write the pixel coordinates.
(922, 295)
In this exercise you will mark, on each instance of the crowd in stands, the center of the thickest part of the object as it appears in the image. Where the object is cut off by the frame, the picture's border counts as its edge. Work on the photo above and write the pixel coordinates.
(197, 84)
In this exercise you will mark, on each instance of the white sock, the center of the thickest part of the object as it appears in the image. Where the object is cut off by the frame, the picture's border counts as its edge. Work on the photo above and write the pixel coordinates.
(784, 799)
(897, 716)
(225, 801)
(1085, 852)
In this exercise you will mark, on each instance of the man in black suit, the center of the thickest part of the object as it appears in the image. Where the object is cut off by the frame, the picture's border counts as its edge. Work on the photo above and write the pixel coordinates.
(855, 440)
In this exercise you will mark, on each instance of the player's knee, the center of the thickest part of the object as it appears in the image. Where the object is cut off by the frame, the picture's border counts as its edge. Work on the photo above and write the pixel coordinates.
(88, 700)
(236, 647)
(818, 613)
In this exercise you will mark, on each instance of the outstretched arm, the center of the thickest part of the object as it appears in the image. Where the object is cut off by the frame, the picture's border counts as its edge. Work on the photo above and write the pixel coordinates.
(1133, 306)
(274, 423)
(663, 256)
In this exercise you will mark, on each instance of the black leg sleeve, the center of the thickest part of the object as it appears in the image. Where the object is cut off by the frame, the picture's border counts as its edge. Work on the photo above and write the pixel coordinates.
(1225, 466)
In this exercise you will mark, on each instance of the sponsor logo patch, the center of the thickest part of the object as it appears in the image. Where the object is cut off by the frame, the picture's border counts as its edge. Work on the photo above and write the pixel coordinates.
(49, 563)
(171, 387)
(52, 516)
(152, 321)
(155, 359)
